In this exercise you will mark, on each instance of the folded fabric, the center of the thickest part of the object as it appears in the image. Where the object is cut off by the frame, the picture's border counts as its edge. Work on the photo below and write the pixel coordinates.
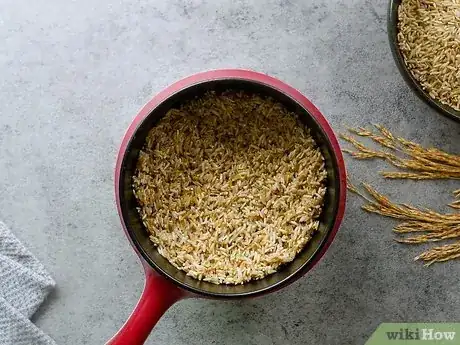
(24, 285)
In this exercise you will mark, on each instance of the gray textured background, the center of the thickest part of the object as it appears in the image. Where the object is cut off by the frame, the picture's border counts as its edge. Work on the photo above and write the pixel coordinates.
(74, 74)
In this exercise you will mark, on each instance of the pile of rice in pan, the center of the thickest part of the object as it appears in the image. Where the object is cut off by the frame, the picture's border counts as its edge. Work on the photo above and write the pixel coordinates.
(230, 187)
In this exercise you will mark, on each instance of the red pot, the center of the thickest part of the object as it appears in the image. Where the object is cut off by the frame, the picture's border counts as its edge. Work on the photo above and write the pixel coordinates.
(164, 283)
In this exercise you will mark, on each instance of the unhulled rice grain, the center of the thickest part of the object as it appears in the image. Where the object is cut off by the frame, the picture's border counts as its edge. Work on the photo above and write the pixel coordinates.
(230, 187)
(429, 40)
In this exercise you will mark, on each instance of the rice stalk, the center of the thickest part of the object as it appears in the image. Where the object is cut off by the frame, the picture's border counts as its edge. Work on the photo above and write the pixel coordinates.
(440, 254)
(417, 225)
(417, 162)
(456, 203)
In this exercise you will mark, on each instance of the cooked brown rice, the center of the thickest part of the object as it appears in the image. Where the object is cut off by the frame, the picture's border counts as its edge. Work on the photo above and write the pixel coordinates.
(429, 39)
(230, 187)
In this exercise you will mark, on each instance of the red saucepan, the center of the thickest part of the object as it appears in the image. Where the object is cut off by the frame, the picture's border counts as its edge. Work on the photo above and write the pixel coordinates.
(164, 283)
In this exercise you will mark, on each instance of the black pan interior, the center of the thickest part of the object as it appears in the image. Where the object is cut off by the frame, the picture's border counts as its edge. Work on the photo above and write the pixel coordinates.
(138, 233)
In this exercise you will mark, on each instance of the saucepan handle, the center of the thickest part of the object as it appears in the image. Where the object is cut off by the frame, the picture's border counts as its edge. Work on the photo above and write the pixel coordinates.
(158, 295)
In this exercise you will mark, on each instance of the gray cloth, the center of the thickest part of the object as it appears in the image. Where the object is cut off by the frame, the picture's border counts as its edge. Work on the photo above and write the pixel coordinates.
(24, 285)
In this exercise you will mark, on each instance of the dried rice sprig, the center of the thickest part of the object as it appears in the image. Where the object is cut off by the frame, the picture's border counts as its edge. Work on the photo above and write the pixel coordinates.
(456, 204)
(424, 225)
(440, 254)
(423, 164)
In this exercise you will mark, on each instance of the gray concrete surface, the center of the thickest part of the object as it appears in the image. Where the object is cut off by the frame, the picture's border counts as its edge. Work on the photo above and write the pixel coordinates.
(73, 75)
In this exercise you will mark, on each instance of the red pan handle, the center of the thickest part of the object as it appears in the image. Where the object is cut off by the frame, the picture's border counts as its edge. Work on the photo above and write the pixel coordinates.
(158, 295)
